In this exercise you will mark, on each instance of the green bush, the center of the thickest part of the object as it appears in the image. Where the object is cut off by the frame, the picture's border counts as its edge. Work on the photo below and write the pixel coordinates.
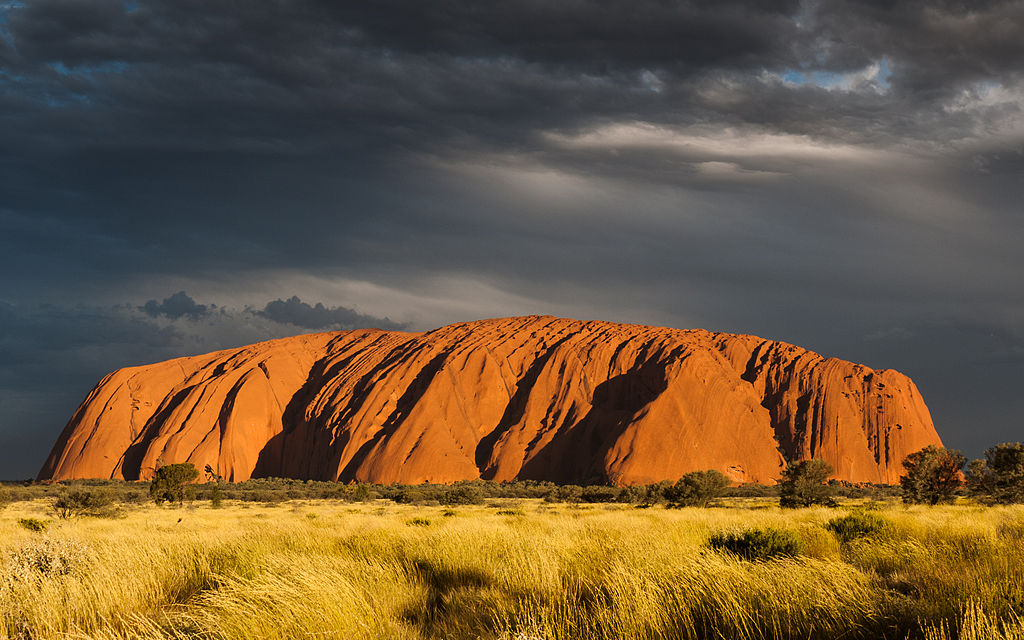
(461, 494)
(859, 524)
(34, 524)
(83, 502)
(599, 493)
(803, 485)
(758, 544)
(409, 496)
(932, 475)
(633, 494)
(696, 489)
(362, 493)
(173, 483)
(999, 478)
(564, 493)
(216, 495)
(266, 496)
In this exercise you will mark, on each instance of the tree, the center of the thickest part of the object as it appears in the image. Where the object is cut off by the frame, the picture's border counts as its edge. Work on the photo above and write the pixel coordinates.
(459, 494)
(82, 502)
(697, 489)
(213, 480)
(999, 478)
(172, 483)
(803, 484)
(932, 475)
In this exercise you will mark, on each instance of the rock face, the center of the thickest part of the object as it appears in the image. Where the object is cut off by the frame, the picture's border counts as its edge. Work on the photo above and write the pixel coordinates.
(527, 398)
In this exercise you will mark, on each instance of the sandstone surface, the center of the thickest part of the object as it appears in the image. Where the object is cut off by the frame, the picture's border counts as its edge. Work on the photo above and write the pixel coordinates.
(528, 398)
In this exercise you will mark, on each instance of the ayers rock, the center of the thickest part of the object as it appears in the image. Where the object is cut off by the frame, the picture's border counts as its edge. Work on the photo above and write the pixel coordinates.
(528, 398)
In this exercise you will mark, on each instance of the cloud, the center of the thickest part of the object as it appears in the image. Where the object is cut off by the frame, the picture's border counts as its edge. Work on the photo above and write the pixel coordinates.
(801, 170)
(177, 305)
(294, 311)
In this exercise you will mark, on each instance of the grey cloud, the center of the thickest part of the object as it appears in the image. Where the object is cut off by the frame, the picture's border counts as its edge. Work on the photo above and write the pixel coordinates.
(296, 312)
(286, 78)
(177, 305)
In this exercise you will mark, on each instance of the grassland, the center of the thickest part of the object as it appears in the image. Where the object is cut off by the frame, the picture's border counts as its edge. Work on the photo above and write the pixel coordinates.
(511, 569)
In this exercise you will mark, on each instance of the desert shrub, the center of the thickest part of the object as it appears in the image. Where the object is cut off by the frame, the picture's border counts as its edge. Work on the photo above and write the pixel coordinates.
(266, 496)
(131, 497)
(999, 478)
(409, 496)
(5, 497)
(361, 493)
(696, 489)
(644, 494)
(418, 522)
(564, 493)
(461, 494)
(803, 484)
(216, 495)
(510, 512)
(931, 475)
(46, 558)
(859, 524)
(599, 493)
(33, 524)
(83, 502)
(173, 483)
(762, 543)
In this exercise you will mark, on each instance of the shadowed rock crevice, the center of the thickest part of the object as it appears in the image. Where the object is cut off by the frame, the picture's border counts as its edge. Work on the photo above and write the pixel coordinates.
(132, 458)
(578, 451)
(514, 411)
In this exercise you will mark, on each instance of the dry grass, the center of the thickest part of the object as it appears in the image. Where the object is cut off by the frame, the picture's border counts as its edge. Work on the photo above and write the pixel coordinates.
(527, 570)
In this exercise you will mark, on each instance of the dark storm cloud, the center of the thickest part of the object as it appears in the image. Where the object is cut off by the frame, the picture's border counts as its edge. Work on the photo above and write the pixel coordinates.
(815, 171)
(285, 78)
(295, 311)
(177, 305)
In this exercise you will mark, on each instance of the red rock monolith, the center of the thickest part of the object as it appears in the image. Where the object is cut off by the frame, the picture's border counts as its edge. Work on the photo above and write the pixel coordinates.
(517, 398)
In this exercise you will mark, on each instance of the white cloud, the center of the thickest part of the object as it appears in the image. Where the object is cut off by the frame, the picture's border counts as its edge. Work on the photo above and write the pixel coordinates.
(717, 143)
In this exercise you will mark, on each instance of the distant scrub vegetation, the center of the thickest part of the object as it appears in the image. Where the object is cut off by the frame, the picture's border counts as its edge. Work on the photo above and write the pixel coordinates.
(693, 490)
(932, 475)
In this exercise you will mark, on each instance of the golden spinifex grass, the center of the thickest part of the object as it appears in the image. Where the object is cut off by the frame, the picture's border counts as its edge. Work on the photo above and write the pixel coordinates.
(524, 570)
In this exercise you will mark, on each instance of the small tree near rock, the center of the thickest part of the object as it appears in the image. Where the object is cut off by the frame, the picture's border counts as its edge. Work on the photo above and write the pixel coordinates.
(932, 475)
(213, 481)
(697, 489)
(173, 483)
(83, 502)
(804, 484)
(999, 478)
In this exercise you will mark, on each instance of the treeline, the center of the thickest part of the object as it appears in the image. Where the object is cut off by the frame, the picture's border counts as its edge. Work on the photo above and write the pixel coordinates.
(931, 476)
(272, 490)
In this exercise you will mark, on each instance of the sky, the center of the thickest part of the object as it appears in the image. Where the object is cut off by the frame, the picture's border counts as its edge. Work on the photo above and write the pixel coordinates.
(182, 176)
